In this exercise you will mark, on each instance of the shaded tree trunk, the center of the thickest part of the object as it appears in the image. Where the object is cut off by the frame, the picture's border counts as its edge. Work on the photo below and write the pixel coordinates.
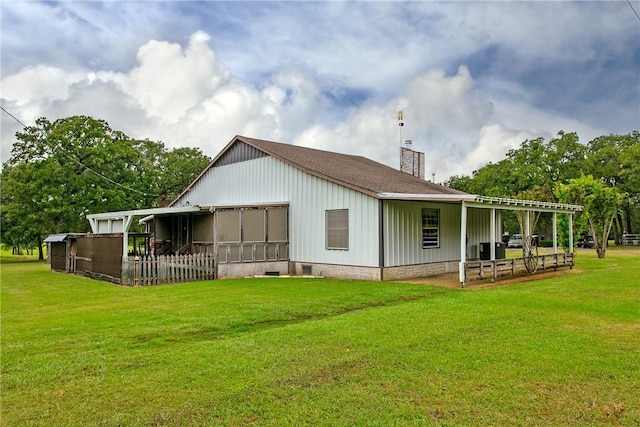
(40, 252)
(618, 228)
(627, 215)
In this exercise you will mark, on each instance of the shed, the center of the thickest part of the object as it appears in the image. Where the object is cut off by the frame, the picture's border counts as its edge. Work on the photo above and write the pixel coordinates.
(61, 251)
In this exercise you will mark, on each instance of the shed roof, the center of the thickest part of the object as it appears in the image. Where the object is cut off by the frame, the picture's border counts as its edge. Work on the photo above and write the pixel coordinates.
(61, 237)
(55, 238)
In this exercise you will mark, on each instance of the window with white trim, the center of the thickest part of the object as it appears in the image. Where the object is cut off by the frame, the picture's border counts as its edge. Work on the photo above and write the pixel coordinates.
(430, 228)
(337, 229)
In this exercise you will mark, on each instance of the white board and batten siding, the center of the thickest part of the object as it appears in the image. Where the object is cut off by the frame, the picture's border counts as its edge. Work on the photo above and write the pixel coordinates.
(403, 233)
(268, 180)
(479, 230)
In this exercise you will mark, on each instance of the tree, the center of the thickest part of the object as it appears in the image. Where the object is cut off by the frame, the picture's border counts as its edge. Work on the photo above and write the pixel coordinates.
(535, 164)
(181, 166)
(601, 204)
(530, 171)
(615, 159)
(62, 171)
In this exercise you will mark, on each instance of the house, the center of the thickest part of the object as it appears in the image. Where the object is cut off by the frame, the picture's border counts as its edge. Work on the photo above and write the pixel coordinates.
(263, 207)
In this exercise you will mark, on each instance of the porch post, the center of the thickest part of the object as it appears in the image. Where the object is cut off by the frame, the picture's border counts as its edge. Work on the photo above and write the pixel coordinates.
(555, 232)
(492, 241)
(463, 243)
(571, 233)
(126, 222)
(94, 225)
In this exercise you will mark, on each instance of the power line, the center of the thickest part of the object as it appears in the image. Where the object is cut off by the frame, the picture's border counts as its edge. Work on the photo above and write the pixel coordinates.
(70, 156)
(13, 117)
(632, 8)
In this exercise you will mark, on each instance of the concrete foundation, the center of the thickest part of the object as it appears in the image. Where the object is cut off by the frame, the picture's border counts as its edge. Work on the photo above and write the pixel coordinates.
(246, 269)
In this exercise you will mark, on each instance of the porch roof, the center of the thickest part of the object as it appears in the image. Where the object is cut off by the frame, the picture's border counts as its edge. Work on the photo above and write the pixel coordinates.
(138, 212)
(126, 216)
(473, 200)
(517, 204)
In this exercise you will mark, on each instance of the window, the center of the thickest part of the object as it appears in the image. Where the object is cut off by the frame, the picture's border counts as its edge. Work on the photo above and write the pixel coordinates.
(337, 226)
(430, 228)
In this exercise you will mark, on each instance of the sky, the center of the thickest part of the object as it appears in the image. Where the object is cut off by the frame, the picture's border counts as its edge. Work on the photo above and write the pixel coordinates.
(474, 79)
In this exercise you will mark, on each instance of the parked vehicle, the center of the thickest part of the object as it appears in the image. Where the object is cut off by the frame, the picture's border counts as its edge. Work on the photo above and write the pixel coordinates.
(515, 241)
(585, 241)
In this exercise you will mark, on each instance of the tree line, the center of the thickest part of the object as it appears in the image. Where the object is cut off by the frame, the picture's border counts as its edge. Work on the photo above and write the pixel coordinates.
(59, 172)
(602, 175)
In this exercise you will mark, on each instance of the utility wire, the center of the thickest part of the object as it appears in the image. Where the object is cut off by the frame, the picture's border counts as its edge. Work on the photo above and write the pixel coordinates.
(632, 8)
(70, 156)
(13, 117)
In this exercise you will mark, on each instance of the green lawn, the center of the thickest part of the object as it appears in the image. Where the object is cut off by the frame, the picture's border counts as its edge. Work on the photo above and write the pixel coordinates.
(561, 351)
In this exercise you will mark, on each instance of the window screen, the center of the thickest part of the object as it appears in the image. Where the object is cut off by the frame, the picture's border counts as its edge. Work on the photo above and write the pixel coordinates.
(277, 224)
(430, 228)
(228, 226)
(253, 225)
(337, 227)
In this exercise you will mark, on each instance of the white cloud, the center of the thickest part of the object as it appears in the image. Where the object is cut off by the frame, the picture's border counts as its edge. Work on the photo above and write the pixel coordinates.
(442, 116)
(39, 83)
(169, 80)
(291, 64)
(494, 140)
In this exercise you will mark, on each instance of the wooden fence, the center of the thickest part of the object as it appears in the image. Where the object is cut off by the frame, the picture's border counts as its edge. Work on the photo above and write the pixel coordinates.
(630, 239)
(154, 270)
(480, 270)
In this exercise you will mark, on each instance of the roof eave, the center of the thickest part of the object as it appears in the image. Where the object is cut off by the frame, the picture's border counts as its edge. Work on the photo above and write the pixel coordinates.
(427, 197)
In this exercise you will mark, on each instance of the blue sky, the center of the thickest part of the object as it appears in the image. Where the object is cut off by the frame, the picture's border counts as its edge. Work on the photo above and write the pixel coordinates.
(473, 78)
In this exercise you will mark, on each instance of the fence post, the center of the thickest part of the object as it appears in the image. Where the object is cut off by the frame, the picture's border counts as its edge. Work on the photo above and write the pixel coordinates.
(136, 271)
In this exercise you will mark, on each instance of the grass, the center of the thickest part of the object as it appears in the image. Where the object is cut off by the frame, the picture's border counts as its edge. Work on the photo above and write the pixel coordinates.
(561, 351)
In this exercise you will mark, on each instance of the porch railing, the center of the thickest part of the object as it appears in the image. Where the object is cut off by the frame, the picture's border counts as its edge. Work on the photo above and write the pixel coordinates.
(154, 270)
(480, 270)
(253, 252)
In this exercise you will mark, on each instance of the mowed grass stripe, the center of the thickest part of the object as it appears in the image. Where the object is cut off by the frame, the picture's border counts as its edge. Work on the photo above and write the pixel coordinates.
(561, 351)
